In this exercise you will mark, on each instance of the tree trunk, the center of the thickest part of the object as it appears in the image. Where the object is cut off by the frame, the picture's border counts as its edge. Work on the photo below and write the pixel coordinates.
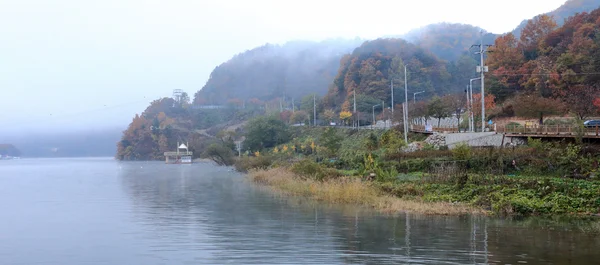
(439, 120)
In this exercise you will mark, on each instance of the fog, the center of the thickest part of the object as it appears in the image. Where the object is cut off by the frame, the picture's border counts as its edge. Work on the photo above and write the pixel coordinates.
(79, 66)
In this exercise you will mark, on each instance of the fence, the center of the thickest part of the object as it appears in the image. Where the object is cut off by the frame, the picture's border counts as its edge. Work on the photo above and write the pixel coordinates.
(549, 130)
(431, 129)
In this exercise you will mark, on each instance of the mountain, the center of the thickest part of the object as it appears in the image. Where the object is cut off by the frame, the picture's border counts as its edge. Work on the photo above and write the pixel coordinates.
(268, 72)
(370, 67)
(550, 62)
(9, 150)
(96, 143)
(448, 41)
(569, 8)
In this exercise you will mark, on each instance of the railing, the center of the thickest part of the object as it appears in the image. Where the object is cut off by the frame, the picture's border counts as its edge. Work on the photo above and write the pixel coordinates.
(182, 153)
(549, 130)
(422, 129)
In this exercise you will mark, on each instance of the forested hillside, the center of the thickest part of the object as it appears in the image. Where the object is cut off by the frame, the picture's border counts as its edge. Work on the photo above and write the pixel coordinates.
(548, 67)
(448, 41)
(568, 9)
(371, 67)
(276, 71)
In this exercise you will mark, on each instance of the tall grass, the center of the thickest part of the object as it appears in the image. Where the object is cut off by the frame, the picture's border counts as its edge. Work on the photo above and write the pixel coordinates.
(348, 190)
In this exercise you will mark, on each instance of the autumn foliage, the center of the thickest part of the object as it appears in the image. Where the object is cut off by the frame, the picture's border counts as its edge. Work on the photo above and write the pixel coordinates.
(547, 61)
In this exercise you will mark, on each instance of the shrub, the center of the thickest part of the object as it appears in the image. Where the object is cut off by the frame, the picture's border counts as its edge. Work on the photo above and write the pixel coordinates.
(462, 151)
(310, 169)
(220, 154)
(244, 164)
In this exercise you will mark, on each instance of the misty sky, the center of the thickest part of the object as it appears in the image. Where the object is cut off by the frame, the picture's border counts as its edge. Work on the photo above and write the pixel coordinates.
(75, 64)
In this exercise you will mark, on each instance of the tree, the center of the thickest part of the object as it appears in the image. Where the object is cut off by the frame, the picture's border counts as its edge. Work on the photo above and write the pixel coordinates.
(265, 132)
(455, 103)
(331, 140)
(220, 154)
(504, 62)
(530, 105)
(533, 34)
(345, 115)
(185, 100)
(490, 103)
(299, 116)
(419, 110)
(438, 109)
(329, 115)
(286, 116)
(580, 100)
(309, 102)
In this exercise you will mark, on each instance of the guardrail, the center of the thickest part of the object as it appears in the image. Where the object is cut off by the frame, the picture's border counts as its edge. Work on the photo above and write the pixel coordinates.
(549, 130)
(422, 129)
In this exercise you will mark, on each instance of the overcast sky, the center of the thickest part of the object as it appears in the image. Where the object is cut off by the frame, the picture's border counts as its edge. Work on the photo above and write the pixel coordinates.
(78, 63)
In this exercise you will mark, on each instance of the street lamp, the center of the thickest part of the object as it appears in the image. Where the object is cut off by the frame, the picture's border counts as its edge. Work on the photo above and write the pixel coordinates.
(471, 117)
(415, 96)
(374, 115)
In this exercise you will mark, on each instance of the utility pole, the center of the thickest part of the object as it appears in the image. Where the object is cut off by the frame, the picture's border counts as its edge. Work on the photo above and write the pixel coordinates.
(392, 88)
(373, 115)
(314, 110)
(405, 105)
(383, 113)
(482, 69)
(468, 108)
(354, 95)
(472, 115)
(415, 96)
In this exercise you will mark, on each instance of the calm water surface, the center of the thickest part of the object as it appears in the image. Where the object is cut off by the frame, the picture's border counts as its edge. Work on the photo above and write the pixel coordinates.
(100, 211)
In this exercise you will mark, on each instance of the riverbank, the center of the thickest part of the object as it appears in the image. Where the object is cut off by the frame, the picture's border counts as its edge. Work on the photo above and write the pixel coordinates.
(352, 190)
(537, 179)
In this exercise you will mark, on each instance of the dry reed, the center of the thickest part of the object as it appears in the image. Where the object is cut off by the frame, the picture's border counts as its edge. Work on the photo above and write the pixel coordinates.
(347, 190)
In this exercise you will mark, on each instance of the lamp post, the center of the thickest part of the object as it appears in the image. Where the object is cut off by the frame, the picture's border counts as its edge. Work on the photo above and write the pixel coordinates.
(405, 105)
(471, 116)
(415, 96)
(373, 115)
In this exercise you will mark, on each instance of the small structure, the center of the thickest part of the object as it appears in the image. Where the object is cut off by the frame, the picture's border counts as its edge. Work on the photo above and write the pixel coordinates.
(181, 156)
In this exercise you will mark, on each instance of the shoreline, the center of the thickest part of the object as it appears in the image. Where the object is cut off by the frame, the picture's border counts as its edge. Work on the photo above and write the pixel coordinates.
(353, 191)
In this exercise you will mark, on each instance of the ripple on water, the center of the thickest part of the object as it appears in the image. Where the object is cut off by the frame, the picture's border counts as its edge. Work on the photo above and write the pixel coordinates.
(99, 211)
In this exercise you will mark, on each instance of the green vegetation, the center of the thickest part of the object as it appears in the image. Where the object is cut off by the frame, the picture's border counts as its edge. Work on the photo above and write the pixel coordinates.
(538, 179)
(533, 74)
(265, 132)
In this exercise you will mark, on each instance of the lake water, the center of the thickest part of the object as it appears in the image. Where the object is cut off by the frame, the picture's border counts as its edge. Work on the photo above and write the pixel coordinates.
(100, 211)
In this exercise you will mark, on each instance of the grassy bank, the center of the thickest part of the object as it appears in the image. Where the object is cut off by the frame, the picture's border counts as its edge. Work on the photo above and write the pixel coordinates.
(352, 190)
(375, 169)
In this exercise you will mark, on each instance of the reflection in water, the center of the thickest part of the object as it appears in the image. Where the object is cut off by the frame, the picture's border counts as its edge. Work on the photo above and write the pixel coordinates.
(90, 211)
(242, 223)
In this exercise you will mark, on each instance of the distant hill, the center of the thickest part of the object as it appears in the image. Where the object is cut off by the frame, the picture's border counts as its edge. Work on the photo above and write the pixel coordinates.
(268, 72)
(448, 41)
(9, 150)
(569, 8)
(80, 144)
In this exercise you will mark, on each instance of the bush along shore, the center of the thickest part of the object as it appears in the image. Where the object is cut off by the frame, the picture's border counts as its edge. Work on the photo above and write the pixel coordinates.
(373, 168)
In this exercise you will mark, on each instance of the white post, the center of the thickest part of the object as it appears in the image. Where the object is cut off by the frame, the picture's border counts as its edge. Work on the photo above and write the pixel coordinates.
(314, 110)
(406, 105)
(392, 88)
(482, 90)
